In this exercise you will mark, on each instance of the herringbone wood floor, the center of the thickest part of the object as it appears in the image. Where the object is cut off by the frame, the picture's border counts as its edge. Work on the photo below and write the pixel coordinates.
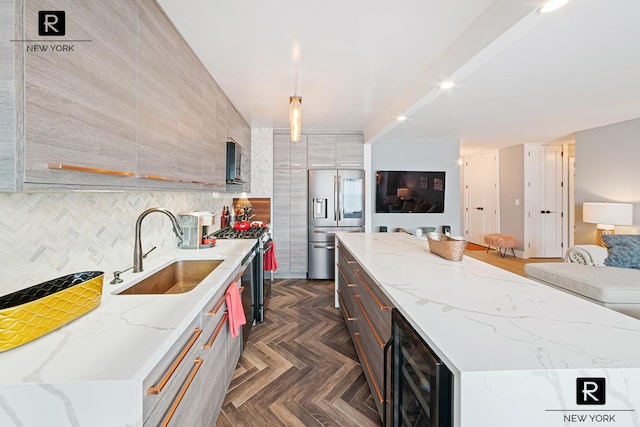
(299, 368)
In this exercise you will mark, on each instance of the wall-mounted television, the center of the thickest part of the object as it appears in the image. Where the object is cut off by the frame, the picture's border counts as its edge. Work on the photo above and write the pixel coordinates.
(409, 192)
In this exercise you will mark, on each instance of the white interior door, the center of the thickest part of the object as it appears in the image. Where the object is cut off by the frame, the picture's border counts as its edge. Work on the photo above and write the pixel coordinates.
(481, 174)
(544, 207)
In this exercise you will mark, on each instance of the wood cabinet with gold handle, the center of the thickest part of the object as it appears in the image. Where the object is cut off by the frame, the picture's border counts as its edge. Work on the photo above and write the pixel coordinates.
(344, 306)
(216, 331)
(197, 363)
(373, 294)
(376, 334)
(222, 300)
(63, 166)
(157, 389)
(367, 366)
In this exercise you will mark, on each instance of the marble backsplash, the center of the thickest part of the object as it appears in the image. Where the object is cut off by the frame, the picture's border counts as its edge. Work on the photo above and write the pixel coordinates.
(47, 235)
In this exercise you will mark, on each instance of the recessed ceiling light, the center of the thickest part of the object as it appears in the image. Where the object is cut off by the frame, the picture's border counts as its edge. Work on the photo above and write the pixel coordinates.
(552, 5)
(446, 85)
(401, 118)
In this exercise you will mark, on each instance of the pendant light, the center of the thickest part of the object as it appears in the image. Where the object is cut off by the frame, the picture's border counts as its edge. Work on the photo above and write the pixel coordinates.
(295, 117)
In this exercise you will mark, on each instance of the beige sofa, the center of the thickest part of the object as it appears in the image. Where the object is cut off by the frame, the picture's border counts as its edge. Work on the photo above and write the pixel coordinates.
(613, 287)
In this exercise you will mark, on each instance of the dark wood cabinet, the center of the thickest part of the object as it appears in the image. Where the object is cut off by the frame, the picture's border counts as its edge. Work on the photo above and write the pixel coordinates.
(367, 312)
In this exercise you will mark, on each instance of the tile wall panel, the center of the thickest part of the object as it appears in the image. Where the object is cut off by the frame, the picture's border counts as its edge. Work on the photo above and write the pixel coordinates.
(47, 235)
(262, 162)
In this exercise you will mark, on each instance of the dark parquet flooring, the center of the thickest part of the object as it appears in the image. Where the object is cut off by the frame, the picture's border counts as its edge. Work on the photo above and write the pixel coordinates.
(299, 367)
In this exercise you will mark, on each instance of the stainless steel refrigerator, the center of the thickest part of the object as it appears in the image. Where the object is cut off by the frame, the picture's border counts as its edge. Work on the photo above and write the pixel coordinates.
(336, 203)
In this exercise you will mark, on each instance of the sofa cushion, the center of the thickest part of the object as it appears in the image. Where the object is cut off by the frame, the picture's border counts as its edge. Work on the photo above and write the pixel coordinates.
(604, 284)
(624, 250)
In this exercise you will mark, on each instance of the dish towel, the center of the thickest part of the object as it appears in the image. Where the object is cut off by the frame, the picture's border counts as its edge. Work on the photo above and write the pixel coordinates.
(234, 307)
(270, 262)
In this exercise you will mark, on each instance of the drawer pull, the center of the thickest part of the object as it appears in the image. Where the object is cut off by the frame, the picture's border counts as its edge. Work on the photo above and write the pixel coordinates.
(167, 376)
(222, 300)
(90, 170)
(368, 368)
(344, 307)
(197, 363)
(209, 343)
(160, 178)
(371, 326)
(344, 277)
(373, 295)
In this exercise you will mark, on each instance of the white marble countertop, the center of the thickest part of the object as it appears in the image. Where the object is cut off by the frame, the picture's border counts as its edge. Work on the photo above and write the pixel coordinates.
(126, 335)
(481, 318)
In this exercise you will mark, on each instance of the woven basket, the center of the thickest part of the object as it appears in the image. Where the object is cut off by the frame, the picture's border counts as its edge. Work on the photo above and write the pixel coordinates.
(445, 246)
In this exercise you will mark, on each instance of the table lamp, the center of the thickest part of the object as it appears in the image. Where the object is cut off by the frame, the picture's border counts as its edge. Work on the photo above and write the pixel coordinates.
(402, 193)
(607, 215)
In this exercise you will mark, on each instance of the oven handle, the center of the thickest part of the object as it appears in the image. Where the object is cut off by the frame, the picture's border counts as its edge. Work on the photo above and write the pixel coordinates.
(248, 261)
(267, 246)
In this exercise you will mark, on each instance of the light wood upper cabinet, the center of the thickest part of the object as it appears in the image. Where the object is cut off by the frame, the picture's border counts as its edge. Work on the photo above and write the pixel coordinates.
(281, 151)
(350, 151)
(80, 106)
(341, 151)
(287, 154)
(158, 97)
(321, 151)
(131, 108)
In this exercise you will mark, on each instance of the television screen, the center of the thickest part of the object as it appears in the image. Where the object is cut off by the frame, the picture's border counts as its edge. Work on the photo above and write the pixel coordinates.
(409, 192)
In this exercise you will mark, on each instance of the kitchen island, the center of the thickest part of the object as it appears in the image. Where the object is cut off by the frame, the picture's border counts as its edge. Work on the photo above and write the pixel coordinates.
(515, 347)
(91, 372)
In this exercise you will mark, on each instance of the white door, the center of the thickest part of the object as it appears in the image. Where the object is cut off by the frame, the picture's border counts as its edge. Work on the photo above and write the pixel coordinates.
(481, 200)
(544, 207)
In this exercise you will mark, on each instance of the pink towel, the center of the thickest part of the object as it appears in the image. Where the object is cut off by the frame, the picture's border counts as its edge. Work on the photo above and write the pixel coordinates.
(234, 307)
(270, 262)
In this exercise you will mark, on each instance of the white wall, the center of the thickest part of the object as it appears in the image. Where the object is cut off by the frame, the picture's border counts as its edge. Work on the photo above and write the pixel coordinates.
(607, 169)
(512, 188)
(417, 156)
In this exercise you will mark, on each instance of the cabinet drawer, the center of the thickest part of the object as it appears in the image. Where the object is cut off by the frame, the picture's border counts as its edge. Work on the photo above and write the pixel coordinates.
(214, 384)
(162, 385)
(371, 359)
(213, 312)
(377, 307)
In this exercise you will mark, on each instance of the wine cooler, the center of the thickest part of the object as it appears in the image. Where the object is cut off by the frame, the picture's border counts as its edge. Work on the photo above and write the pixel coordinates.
(422, 386)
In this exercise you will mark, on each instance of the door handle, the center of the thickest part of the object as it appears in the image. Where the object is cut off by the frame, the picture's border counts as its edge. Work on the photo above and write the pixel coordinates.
(335, 198)
(340, 197)
(385, 374)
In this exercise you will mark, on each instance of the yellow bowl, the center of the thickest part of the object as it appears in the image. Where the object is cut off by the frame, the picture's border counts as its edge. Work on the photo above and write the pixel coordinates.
(30, 313)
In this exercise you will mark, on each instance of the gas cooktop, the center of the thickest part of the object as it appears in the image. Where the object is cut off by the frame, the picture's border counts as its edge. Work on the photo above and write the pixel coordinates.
(255, 232)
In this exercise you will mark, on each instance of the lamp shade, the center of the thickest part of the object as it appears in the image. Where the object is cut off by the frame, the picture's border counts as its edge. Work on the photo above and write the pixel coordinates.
(608, 213)
(402, 192)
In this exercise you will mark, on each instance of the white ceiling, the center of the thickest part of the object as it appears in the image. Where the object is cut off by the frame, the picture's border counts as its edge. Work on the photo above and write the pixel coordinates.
(520, 76)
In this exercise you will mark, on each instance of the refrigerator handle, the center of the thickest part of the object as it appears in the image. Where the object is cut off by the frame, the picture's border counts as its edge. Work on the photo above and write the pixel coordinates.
(340, 195)
(335, 197)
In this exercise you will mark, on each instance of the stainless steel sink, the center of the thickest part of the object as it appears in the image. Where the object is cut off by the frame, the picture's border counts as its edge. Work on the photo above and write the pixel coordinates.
(176, 278)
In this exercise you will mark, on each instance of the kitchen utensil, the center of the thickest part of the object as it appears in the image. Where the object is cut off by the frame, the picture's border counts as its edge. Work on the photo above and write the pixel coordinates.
(242, 225)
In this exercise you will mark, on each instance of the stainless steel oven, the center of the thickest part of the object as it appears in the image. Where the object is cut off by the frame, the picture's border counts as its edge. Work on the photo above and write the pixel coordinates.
(422, 386)
(261, 284)
(265, 246)
(248, 296)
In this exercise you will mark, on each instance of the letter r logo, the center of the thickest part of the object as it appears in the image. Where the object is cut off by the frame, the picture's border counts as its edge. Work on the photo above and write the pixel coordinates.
(51, 23)
(591, 391)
